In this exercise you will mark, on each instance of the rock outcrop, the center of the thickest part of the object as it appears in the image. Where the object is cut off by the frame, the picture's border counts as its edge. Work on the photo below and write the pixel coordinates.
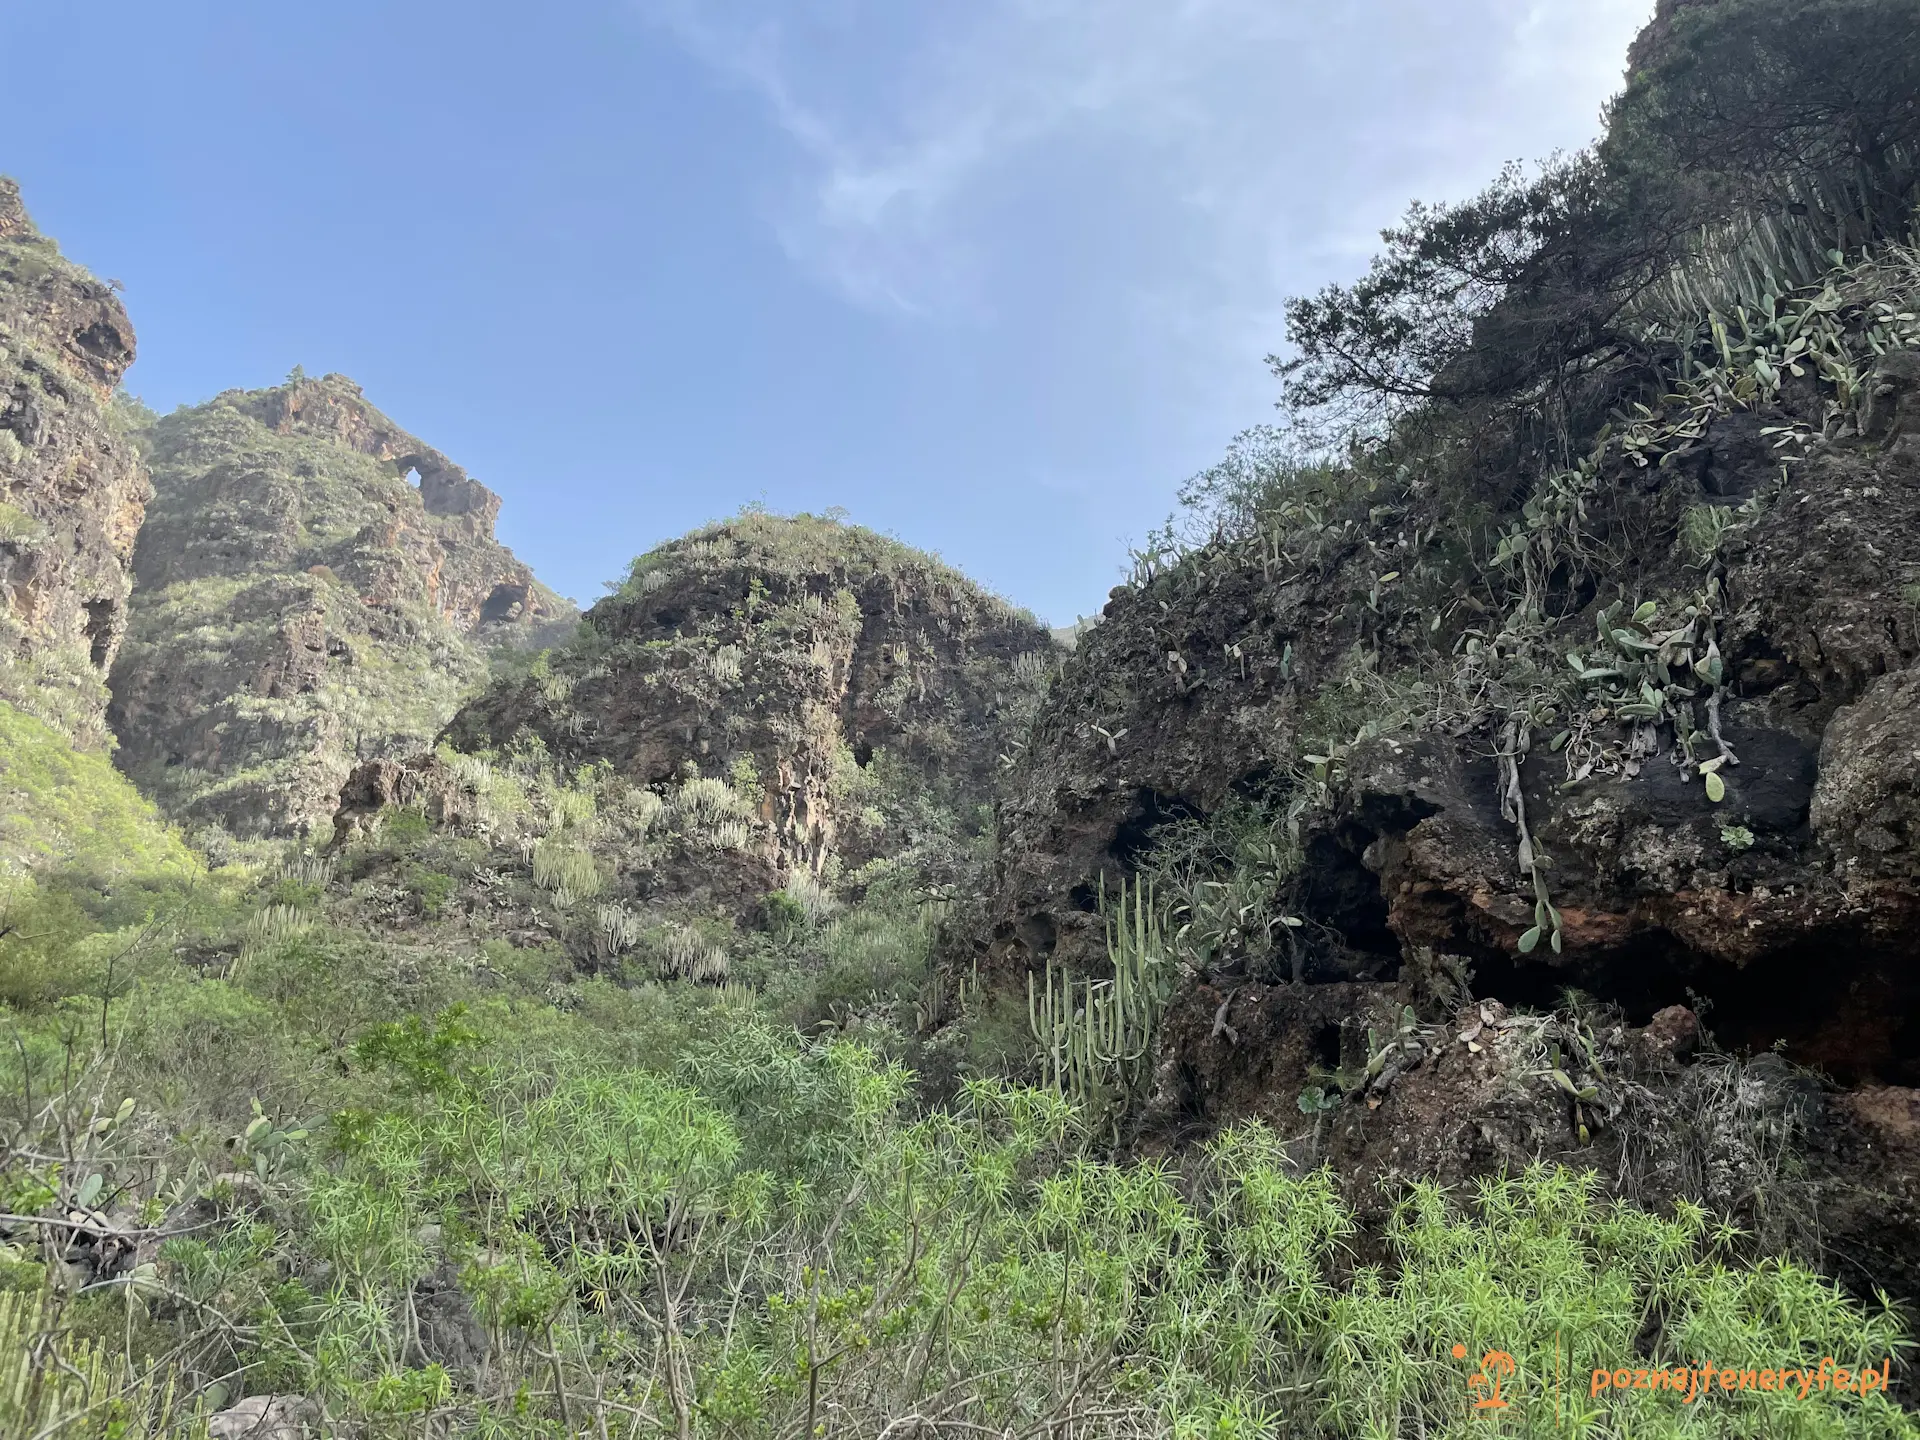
(73, 487)
(301, 606)
(1741, 843)
(1211, 682)
(807, 691)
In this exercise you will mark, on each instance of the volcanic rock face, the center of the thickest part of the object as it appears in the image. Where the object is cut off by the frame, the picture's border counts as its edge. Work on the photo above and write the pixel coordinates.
(1784, 910)
(1204, 685)
(72, 485)
(300, 606)
(803, 664)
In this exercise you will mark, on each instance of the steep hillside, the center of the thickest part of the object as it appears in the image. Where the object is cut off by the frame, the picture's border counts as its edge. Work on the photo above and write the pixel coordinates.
(787, 654)
(72, 485)
(63, 806)
(771, 716)
(1573, 693)
(313, 587)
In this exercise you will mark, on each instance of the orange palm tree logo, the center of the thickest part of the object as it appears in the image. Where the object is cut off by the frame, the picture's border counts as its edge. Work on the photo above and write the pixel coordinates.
(1495, 1366)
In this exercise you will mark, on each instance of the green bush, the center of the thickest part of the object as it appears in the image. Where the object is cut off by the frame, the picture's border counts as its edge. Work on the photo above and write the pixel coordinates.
(60, 803)
(431, 889)
(772, 1238)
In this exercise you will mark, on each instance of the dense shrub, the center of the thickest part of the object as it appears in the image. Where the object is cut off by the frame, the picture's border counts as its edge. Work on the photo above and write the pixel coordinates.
(766, 1241)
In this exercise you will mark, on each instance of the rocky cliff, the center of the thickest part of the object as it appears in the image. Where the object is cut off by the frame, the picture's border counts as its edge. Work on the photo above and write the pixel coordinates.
(1273, 719)
(313, 587)
(834, 693)
(1480, 768)
(72, 485)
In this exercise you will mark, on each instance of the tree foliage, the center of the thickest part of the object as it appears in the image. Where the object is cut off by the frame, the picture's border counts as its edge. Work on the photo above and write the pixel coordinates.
(1751, 102)
(1807, 111)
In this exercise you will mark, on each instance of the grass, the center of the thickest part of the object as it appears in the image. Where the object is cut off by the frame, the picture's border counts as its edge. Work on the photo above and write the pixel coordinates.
(61, 803)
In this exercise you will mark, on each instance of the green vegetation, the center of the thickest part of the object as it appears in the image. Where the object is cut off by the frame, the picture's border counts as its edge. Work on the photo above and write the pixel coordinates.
(430, 1180)
(1473, 426)
(55, 684)
(429, 1196)
(299, 608)
(790, 547)
(60, 803)
(848, 696)
(609, 1083)
(16, 526)
(1099, 1039)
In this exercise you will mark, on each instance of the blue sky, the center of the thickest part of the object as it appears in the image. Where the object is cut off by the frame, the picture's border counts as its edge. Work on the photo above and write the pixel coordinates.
(993, 275)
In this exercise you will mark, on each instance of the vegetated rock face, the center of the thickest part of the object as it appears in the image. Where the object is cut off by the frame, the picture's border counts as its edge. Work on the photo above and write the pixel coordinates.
(1653, 39)
(72, 485)
(300, 606)
(1787, 909)
(804, 694)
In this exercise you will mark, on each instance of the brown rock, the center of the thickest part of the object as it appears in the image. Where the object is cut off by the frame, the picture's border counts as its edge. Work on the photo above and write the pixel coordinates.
(419, 782)
(302, 607)
(73, 489)
(1671, 1035)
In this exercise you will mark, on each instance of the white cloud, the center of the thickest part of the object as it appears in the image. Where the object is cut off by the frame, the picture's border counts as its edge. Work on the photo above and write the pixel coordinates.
(1283, 133)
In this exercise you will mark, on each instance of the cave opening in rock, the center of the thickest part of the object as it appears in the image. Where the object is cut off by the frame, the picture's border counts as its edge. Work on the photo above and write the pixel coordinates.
(1134, 837)
(1326, 1047)
(503, 603)
(1844, 1005)
(101, 629)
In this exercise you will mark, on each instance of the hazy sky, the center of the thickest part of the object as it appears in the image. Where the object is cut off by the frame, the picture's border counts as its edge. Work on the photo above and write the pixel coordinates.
(994, 275)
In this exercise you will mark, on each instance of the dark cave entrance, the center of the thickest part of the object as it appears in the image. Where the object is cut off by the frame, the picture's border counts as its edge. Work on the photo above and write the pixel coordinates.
(505, 602)
(102, 630)
(1841, 1003)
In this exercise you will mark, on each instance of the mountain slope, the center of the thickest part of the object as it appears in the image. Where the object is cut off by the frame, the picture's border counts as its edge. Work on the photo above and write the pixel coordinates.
(72, 485)
(783, 702)
(300, 606)
(1565, 714)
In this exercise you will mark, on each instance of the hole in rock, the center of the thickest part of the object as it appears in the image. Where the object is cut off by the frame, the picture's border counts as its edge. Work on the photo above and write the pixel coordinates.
(504, 603)
(1838, 1002)
(1134, 837)
(1339, 891)
(1326, 1047)
(1038, 934)
(100, 631)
